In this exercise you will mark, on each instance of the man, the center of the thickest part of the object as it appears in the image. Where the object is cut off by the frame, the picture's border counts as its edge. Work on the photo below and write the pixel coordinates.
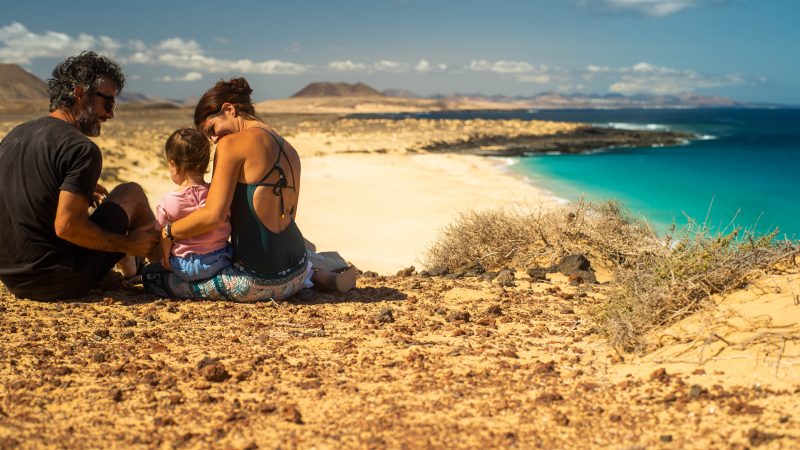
(50, 247)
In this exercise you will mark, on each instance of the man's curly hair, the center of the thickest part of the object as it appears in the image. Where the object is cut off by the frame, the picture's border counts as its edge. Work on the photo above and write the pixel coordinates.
(88, 70)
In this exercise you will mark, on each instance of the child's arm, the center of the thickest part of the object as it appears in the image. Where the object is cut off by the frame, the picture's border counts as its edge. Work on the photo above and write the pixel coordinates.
(166, 251)
(162, 217)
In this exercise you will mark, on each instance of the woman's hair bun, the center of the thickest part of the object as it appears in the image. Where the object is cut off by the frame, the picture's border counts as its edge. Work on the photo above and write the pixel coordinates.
(239, 84)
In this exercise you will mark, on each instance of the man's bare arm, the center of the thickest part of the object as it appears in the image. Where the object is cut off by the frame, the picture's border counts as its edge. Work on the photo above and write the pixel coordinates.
(73, 225)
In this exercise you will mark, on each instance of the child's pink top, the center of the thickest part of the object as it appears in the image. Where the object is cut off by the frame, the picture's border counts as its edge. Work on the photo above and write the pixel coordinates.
(178, 204)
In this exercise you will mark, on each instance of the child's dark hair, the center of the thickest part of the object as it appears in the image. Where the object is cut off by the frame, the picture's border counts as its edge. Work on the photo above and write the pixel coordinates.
(189, 149)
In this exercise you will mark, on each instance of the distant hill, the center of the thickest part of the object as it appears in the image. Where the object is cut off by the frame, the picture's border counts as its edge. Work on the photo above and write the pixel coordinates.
(400, 93)
(328, 89)
(20, 85)
(556, 100)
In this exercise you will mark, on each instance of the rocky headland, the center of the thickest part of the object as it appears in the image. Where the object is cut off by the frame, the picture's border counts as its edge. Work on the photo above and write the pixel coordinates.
(580, 140)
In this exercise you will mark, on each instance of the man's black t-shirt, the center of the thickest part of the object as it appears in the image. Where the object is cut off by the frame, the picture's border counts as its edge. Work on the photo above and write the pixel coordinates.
(38, 159)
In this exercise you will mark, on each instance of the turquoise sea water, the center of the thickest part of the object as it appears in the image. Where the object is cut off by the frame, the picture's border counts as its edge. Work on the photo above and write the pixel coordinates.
(744, 166)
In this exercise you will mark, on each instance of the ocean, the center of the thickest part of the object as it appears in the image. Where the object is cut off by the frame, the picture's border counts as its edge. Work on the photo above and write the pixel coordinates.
(741, 171)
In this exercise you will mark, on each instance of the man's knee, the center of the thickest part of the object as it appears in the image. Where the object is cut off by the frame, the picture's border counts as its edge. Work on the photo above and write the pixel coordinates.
(128, 191)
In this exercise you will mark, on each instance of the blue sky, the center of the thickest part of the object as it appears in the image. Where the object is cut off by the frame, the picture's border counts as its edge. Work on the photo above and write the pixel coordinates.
(744, 49)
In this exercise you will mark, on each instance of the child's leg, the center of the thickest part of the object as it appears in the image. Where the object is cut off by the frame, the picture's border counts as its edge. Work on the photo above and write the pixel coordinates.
(127, 265)
(333, 281)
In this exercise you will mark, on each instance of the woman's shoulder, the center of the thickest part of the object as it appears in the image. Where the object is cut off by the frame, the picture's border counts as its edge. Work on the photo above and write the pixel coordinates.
(241, 141)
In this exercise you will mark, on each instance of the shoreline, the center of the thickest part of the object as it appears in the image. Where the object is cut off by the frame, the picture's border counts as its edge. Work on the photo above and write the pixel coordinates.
(385, 241)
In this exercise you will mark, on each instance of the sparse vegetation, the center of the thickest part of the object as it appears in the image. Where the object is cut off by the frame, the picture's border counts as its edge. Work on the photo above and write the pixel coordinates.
(519, 237)
(695, 264)
(657, 280)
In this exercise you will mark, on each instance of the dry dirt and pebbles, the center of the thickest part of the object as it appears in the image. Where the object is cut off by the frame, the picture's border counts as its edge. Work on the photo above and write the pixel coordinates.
(399, 362)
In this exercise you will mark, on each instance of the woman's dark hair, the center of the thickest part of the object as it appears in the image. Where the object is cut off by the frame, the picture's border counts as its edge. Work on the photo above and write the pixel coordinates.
(88, 70)
(235, 91)
(190, 150)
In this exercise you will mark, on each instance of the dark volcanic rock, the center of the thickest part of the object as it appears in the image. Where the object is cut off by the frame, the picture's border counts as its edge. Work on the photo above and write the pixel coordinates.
(579, 141)
(407, 272)
(457, 315)
(505, 278)
(581, 277)
(215, 372)
(573, 263)
(385, 316)
(537, 273)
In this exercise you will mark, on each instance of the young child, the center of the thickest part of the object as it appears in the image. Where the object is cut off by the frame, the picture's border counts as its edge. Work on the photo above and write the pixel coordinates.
(200, 257)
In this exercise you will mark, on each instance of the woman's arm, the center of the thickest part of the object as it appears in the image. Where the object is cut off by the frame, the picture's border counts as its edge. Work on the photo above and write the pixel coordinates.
(227, 166)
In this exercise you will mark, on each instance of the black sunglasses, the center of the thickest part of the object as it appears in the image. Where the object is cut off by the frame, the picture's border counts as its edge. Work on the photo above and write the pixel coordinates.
(109, 102)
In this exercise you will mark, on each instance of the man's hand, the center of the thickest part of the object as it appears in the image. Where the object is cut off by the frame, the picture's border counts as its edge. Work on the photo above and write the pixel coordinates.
(100, 194)
(140, 243)
(166, 251)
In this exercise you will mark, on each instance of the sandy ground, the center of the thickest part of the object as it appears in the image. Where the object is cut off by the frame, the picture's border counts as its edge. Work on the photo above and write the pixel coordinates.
(400, 361)
(382, 211)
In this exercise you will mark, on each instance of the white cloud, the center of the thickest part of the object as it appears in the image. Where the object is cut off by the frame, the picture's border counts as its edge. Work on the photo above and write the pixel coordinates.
(189, 55)
(482, 65)
(652, 8)
(423, 66)
(346, 66)
(539, 79)
(389, 66)
(21, 46)
(644, 77)
(190, 76)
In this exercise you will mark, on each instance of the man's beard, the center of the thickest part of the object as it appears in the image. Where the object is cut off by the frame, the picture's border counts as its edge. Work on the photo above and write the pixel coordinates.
(87, 122)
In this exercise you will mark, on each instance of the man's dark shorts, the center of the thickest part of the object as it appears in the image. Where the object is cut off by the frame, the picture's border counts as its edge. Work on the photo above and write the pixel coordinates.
(80, 269)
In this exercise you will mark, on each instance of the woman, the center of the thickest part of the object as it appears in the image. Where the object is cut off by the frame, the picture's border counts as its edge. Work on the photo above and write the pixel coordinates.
(257, 180)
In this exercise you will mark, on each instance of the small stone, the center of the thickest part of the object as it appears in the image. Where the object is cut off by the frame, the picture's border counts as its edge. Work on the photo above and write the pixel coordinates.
(666, 438)
(99, 357)
(385, 316)
(495, 310)
(549, 397)
(172, 309)
(458, 316)
(505, 278)
(581, 277)
(438, 271)
(215, 372)
(407, 272)
(292, 414)
(116, 395)
(758, 437)
(537, 273)
(129, 323)
(573, 263)
(206, 361)
(695, 391)
(783, 419)
(128, 334)
(101, 334)
(660, 374)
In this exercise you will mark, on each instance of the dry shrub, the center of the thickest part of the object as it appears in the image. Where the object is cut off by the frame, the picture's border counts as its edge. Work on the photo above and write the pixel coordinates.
(658, 280)
(519, 237)
(694, 264)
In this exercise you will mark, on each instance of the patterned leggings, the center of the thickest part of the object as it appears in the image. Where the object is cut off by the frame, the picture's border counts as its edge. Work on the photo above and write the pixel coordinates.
(231, 283)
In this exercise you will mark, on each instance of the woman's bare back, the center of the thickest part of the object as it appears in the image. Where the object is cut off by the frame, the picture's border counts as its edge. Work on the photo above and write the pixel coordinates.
(261, 156)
